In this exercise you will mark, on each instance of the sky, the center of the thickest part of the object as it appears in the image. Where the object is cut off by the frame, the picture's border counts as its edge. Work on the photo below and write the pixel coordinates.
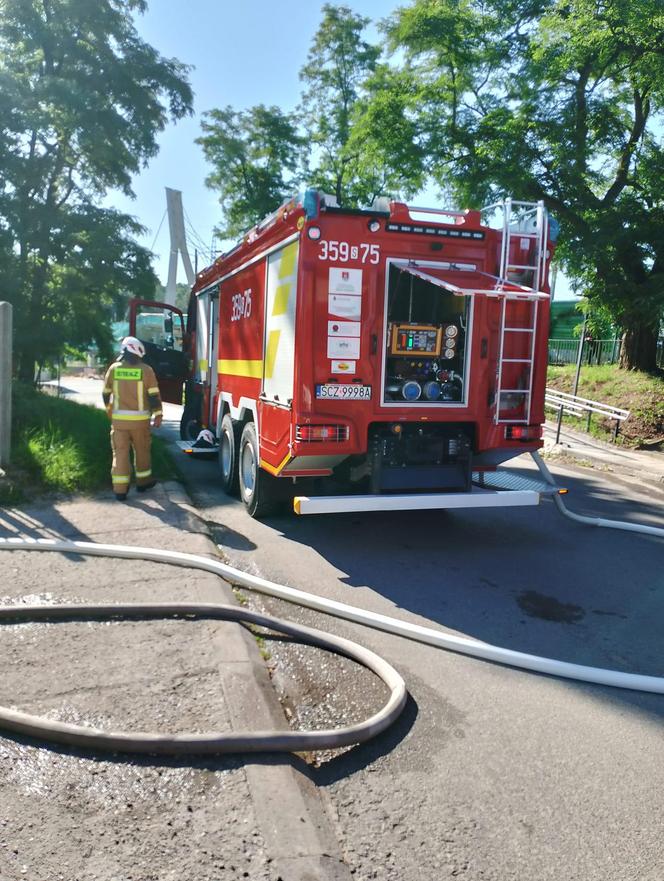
(241, 54)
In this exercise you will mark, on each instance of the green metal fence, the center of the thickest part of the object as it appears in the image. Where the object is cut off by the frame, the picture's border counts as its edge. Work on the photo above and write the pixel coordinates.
(594, 351)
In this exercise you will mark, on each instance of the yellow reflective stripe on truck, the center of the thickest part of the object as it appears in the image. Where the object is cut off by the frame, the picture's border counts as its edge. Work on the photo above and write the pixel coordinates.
(253, 369)
(280, 467)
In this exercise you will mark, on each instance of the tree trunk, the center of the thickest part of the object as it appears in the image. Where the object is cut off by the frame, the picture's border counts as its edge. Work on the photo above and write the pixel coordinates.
(26, 358)
(639, 348)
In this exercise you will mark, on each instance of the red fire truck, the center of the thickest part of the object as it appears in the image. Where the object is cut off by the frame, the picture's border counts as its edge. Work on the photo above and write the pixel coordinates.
(398, 353)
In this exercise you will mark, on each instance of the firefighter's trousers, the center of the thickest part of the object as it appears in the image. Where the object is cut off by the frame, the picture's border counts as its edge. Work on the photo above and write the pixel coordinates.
(124, 438)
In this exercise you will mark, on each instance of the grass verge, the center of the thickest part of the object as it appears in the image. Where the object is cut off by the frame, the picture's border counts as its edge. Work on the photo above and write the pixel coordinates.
(640, 393)
(61, 446)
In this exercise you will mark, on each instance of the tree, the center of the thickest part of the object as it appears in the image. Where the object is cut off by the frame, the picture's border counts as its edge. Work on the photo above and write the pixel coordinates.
(262, 155)
(338, 64)
(82, 99)
(256, 159)
(556, 100)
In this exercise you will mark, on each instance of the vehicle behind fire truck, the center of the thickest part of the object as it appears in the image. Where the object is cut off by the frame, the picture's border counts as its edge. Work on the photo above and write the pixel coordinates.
(396, 354)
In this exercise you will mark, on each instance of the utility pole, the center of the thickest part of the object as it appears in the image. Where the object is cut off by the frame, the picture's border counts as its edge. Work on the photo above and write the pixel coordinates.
(579, 358)
(5, 382)
(554, 279)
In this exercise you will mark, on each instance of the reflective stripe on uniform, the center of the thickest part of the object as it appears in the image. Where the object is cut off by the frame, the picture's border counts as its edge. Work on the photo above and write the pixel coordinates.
(120, 478)
(131, 415)
(141, 402)
(153, 391)
(147, 473)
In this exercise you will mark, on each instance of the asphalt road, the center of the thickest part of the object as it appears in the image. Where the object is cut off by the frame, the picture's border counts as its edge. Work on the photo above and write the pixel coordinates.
(492, 773)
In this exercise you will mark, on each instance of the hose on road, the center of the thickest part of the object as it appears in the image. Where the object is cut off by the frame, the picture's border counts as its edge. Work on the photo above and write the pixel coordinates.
(191, 744)
(592, 521)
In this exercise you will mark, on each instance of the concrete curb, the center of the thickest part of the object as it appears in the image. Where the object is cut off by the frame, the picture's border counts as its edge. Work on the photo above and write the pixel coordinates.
(293, 821)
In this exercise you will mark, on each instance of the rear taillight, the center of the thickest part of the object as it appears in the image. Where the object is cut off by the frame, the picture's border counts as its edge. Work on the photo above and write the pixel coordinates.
(523, 432)
(321, 433)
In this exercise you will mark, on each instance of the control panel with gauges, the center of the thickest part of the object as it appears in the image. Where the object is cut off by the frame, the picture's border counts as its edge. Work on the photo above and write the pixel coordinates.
(415, 360)
(416, 339)
(426, 340)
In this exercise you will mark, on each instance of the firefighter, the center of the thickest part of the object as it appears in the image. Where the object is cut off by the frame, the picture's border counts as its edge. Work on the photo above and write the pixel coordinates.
(132, 399)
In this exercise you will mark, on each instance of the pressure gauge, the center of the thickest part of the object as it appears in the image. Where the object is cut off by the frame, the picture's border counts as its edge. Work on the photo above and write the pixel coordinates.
(451, 330)
(449, 353)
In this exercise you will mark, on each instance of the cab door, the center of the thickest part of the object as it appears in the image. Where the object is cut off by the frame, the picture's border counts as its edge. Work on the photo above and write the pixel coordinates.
(161, 329)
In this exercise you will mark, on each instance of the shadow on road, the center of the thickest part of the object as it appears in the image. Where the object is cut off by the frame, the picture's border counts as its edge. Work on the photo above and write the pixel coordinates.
(366, 754)
(526, 579)
(41, 523)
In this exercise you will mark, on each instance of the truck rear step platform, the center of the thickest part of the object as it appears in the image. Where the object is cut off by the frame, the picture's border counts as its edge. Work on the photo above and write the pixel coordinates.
(478, 498)
(191, 450)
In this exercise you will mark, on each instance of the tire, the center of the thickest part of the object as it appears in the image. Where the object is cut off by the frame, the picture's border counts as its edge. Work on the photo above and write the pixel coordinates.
(229, 445)
(259, 490)
(190, 424)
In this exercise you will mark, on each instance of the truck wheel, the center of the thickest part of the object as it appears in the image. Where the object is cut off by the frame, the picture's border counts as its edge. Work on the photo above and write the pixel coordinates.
(258, 490)
(229, 445)
(190, 425)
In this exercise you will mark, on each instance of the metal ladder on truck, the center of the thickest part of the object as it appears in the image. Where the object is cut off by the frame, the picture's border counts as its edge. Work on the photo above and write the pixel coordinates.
(533, 220)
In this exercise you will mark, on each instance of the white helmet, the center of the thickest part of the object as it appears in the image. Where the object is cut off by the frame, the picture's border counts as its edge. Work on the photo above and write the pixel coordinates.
(205, 439)
(131, 344)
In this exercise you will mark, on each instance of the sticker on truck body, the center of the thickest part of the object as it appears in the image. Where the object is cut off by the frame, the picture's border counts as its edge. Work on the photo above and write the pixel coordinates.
(343, 328)
(344, 306)
(343, 367)
(343, 347)
(345, 281)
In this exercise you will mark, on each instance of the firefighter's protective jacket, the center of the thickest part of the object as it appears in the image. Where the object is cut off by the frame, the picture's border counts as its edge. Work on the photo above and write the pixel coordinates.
(131, 390)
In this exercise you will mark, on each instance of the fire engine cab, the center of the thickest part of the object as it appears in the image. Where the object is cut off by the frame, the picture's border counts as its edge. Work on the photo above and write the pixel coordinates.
(397, 353)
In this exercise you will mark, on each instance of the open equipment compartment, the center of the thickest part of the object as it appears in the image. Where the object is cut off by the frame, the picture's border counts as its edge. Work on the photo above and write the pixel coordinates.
(426, 343)
(425, 366)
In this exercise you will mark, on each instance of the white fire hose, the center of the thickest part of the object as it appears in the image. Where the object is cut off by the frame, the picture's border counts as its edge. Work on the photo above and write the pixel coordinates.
(271, 741)
(190, 744)
(592, 521)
